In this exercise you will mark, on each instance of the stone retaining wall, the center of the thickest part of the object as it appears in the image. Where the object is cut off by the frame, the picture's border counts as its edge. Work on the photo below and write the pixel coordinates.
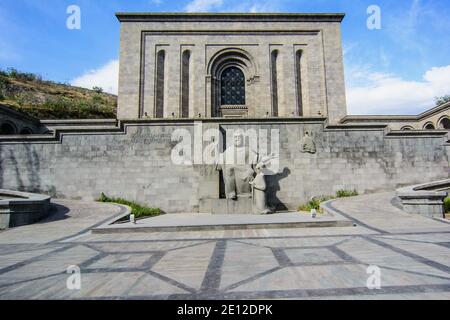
(134, 162)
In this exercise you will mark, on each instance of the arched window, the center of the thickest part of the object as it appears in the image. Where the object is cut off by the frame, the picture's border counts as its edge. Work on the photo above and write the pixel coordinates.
(185, 84)
(429, 126)
(445, 124)
(232, 87)
(273, 65)
(298, 62)
(7, 128)
(160, 78)
(407, 128)
(26, 131)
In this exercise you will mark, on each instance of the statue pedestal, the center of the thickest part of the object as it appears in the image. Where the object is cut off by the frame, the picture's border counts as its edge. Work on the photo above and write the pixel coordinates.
(225, 206)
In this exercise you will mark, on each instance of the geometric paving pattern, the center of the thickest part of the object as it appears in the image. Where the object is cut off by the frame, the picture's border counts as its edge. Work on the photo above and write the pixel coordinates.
(250, 264)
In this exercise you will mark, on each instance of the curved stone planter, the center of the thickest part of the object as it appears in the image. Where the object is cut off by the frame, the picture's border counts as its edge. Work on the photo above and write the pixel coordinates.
(425, 199)
(20, 208)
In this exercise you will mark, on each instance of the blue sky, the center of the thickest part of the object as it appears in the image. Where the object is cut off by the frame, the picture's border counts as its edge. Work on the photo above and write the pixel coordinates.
(395, 70)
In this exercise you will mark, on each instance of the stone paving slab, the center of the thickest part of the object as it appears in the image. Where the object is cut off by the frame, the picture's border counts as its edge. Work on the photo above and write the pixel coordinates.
(378, 211)
(83, 215)
(291, 263)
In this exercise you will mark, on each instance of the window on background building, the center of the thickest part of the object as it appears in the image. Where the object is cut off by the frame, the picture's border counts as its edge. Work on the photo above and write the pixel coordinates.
(7, 129)
(232, 87)
(160, 78)
(429, 126)
(273, 65)
(445, 124)
(185, 83)
(298, 58)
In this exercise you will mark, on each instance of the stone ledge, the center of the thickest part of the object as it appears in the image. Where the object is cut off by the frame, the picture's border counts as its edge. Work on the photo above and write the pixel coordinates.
(20, 208)
(425, 199)
(237, 17)
(208, 222)
(395, 118)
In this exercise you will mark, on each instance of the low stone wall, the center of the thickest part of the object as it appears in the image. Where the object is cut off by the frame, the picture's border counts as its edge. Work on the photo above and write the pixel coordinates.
(133, 161)
(425, 199)
(19, 209)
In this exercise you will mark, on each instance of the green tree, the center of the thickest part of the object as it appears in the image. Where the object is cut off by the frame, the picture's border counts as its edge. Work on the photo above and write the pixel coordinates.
(97, 89)
(441, 100)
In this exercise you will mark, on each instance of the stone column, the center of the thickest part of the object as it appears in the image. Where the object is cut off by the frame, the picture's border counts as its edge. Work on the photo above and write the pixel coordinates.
(172, 76)
(286, 81)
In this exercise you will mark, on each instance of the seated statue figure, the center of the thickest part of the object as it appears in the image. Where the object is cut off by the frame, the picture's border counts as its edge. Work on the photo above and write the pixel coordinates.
(239, 172)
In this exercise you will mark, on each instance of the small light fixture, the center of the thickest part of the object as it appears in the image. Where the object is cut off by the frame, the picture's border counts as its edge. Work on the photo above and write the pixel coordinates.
(199, 115)
(173, 114)
(313, 213)
(133, 218)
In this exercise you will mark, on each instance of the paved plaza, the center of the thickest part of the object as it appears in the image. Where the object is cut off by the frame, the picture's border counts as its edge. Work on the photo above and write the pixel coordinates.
(412, 252)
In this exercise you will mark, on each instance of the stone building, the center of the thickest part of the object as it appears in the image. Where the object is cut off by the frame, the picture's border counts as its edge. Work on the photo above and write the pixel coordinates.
(231, 65)
(435, 118)
(280, 73)
(13, 122)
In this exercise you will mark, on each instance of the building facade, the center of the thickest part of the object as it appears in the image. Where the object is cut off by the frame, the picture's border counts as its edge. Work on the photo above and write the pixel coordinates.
(231, 65)
(437, 118)
(13, 122)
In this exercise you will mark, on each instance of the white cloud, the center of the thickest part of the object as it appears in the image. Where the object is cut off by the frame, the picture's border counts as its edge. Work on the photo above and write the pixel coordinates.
(252, 6)
(384, 93)
(203, 5)
(263, 6)
(106, 77)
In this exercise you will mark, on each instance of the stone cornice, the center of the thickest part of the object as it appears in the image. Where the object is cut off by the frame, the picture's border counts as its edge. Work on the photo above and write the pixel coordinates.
(229, 17)
(396, 118)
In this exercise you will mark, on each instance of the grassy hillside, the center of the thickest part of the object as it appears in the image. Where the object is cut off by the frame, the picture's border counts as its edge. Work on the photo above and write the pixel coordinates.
(43, 99)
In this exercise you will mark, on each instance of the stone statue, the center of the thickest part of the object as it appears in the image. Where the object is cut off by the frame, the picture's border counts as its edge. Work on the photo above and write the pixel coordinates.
(307, 144)
(259, 189)
(238, 174)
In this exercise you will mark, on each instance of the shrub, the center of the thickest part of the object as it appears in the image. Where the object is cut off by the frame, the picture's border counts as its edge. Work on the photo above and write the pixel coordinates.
(66, 108)
(97, 99)
(97, 89)
(24, 76)
(447, 204)
(314, 203)
(346, 193)
(3, 85)
(138, 210)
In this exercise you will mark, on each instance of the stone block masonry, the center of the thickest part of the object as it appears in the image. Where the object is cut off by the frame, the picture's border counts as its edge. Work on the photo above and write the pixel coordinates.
(157, 80)
(134, 162)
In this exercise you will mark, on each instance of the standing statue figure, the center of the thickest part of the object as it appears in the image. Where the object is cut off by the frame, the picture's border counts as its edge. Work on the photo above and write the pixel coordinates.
(259, 188)
(239, 172)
